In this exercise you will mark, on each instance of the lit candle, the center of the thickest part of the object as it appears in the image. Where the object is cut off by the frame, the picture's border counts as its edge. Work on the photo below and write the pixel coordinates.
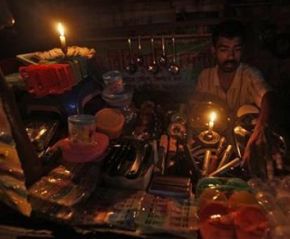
(62, 38)
(212, 118)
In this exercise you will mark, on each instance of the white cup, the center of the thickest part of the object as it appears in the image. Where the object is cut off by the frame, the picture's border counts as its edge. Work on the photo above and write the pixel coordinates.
(81, 128)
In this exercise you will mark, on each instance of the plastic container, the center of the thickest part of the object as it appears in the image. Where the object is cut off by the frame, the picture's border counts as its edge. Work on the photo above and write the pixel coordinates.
(228, 209)
(110, 122)
(82, 153)
(227, 185)
(118, 99)
(114, 82)
(81, 128)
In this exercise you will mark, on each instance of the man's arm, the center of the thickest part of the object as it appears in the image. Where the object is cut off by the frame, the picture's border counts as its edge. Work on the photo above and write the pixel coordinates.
(267, 114)
(267, 118)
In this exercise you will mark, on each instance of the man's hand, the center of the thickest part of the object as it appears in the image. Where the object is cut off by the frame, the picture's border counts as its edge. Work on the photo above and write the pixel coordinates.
(256, 142)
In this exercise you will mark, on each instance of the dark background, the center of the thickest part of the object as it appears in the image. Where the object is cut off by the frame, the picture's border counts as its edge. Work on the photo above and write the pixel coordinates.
(91, 23)
(102, 23)
(107, 23)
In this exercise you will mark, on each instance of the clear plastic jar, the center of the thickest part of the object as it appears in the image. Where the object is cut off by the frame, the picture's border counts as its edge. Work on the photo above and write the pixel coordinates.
(113, 81)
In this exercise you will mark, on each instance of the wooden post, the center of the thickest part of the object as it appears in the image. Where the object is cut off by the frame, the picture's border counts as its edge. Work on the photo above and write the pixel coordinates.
(31, 164)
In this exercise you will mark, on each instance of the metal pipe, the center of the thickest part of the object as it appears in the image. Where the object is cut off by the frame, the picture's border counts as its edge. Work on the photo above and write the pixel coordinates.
(220, 145)
(226, 155)
(233, 163)
(206, 162)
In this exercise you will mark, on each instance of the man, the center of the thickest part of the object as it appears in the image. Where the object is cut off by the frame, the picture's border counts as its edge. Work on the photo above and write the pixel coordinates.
(234, 82)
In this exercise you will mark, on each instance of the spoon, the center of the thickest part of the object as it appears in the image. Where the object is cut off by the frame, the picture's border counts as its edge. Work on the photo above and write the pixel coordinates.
(153, 68)
(139, 58)
(173, 68)
(131, 68)
(163, 57)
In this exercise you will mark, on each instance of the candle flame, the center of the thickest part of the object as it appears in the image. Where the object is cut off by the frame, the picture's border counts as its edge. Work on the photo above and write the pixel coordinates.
(60, 29)
(212, 116)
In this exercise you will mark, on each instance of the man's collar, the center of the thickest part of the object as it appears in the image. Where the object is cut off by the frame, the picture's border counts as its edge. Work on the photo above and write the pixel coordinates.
(216, 77)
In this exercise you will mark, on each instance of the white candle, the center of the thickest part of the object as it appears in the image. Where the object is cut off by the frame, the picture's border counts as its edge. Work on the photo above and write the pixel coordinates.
(62, 38)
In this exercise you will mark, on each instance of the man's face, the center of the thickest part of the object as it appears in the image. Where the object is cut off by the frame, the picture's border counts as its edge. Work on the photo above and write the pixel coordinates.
(228, 53)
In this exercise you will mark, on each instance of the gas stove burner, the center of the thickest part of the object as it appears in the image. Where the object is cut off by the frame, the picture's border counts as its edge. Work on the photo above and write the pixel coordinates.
(209, 137)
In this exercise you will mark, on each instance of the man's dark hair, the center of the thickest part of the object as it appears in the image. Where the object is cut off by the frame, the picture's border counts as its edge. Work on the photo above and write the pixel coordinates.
(229, 29)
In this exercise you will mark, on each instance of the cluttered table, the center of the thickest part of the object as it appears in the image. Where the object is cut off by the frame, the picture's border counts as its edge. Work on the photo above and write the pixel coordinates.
(144, 166)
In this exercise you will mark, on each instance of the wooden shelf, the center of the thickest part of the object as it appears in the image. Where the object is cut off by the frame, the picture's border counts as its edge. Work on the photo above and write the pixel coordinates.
(195, 28)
